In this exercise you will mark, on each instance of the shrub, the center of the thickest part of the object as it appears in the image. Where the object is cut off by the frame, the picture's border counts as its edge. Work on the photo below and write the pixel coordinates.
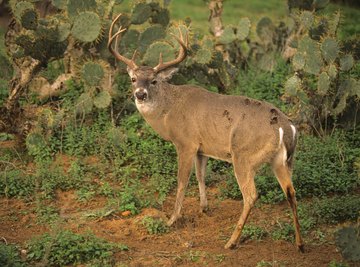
(336, 209)
(325, 166)
(10, 256)
(154, 225)
(67, 248)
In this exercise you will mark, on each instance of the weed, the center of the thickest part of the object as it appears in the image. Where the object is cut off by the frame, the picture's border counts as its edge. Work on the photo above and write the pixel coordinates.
(253, 232)
(264, 263)
(66, 247)
(84, 194)
(15, 182)
(336, 209)
(283, 231)
(10, 256)
(325, 166)
(154, 225)
(334, 263)
(47, 214)
(220, 258)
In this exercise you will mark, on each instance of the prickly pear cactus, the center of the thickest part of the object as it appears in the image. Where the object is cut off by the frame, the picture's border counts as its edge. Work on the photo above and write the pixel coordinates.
(318, 58)
(347, 239)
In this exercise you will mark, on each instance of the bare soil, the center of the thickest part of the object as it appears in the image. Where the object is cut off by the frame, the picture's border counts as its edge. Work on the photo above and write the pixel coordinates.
(196, 240)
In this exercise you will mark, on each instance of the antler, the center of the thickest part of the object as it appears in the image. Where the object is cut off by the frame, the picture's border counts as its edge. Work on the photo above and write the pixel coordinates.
(129, 62)
(181, 56)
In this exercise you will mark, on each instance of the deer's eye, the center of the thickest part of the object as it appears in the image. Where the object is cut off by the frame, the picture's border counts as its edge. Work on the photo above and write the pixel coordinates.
(153, 82)
(133, 80)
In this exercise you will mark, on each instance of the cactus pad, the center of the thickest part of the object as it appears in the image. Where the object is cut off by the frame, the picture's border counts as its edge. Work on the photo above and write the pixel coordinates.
(307, 19)
(203, 56)
(130, 40)
(84, 104)
(29, 19)
(35, 141)
(102, 100)
(323, 84)
(161, 16)
(92, 73)
(332, 71)
(151, 57)
(292, 85)
(63, 31)
(141, 13)
(298, 61)
(228, 35)
(334, 23)
(243, 29)
(60, 4)
(346, 62)
(19, 8)
(330, 49)
(310, 50)
(86, 27)
(320, 4)
(265, 29)
(150, 35)
(347, 239)
(75, 7)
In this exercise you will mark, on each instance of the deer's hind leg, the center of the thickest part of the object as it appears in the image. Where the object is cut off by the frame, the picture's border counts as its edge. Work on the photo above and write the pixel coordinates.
(200, 166)
(283, 174)
(244, 172)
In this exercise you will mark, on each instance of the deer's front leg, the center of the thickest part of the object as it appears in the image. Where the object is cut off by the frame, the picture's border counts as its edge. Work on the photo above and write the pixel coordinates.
(185, 163)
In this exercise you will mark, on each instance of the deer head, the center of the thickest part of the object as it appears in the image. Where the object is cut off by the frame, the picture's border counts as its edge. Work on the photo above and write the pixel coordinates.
(143, 78)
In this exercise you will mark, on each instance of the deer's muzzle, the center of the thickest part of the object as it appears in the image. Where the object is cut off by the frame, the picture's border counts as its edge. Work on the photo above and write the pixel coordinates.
(141, 94)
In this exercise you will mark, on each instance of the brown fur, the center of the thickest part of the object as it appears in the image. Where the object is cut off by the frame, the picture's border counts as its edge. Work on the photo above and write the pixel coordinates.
(202, 124)
(235, 129)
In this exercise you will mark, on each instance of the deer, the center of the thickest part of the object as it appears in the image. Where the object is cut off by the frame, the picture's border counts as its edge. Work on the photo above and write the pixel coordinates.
(202, 124)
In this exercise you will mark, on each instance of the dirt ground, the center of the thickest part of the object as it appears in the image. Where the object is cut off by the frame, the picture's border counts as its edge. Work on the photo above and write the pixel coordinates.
(196, 240)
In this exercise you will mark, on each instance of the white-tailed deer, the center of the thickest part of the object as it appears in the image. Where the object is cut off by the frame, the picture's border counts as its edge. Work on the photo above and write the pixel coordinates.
(202, 124)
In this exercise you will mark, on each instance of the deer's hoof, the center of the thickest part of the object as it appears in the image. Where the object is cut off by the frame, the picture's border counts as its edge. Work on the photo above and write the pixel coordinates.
(204, 209)
(230, 245)
(301, 248)
(171, 221)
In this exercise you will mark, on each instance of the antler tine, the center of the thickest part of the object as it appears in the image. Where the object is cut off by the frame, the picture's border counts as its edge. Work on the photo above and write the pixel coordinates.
(180, 57)
(129, 62)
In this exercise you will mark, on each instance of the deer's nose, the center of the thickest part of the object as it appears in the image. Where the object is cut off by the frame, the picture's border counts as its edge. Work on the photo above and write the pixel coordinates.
(141, 94)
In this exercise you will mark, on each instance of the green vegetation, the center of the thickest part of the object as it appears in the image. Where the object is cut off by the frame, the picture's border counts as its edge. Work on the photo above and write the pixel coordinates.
(66, 247)
(154, 225)
(86, 136)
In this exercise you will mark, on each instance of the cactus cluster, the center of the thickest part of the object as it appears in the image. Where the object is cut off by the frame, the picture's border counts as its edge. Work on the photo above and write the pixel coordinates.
(347, 239)
(318, 58)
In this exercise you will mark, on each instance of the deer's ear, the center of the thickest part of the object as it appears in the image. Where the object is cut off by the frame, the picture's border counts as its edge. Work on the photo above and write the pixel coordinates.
(166, 74)
(130, 71)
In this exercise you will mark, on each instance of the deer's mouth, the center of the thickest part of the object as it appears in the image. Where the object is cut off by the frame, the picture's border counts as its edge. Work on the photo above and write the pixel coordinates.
(141, 95)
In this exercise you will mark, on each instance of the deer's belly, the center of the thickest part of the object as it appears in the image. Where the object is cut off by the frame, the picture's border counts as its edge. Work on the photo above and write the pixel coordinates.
(215, 153)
